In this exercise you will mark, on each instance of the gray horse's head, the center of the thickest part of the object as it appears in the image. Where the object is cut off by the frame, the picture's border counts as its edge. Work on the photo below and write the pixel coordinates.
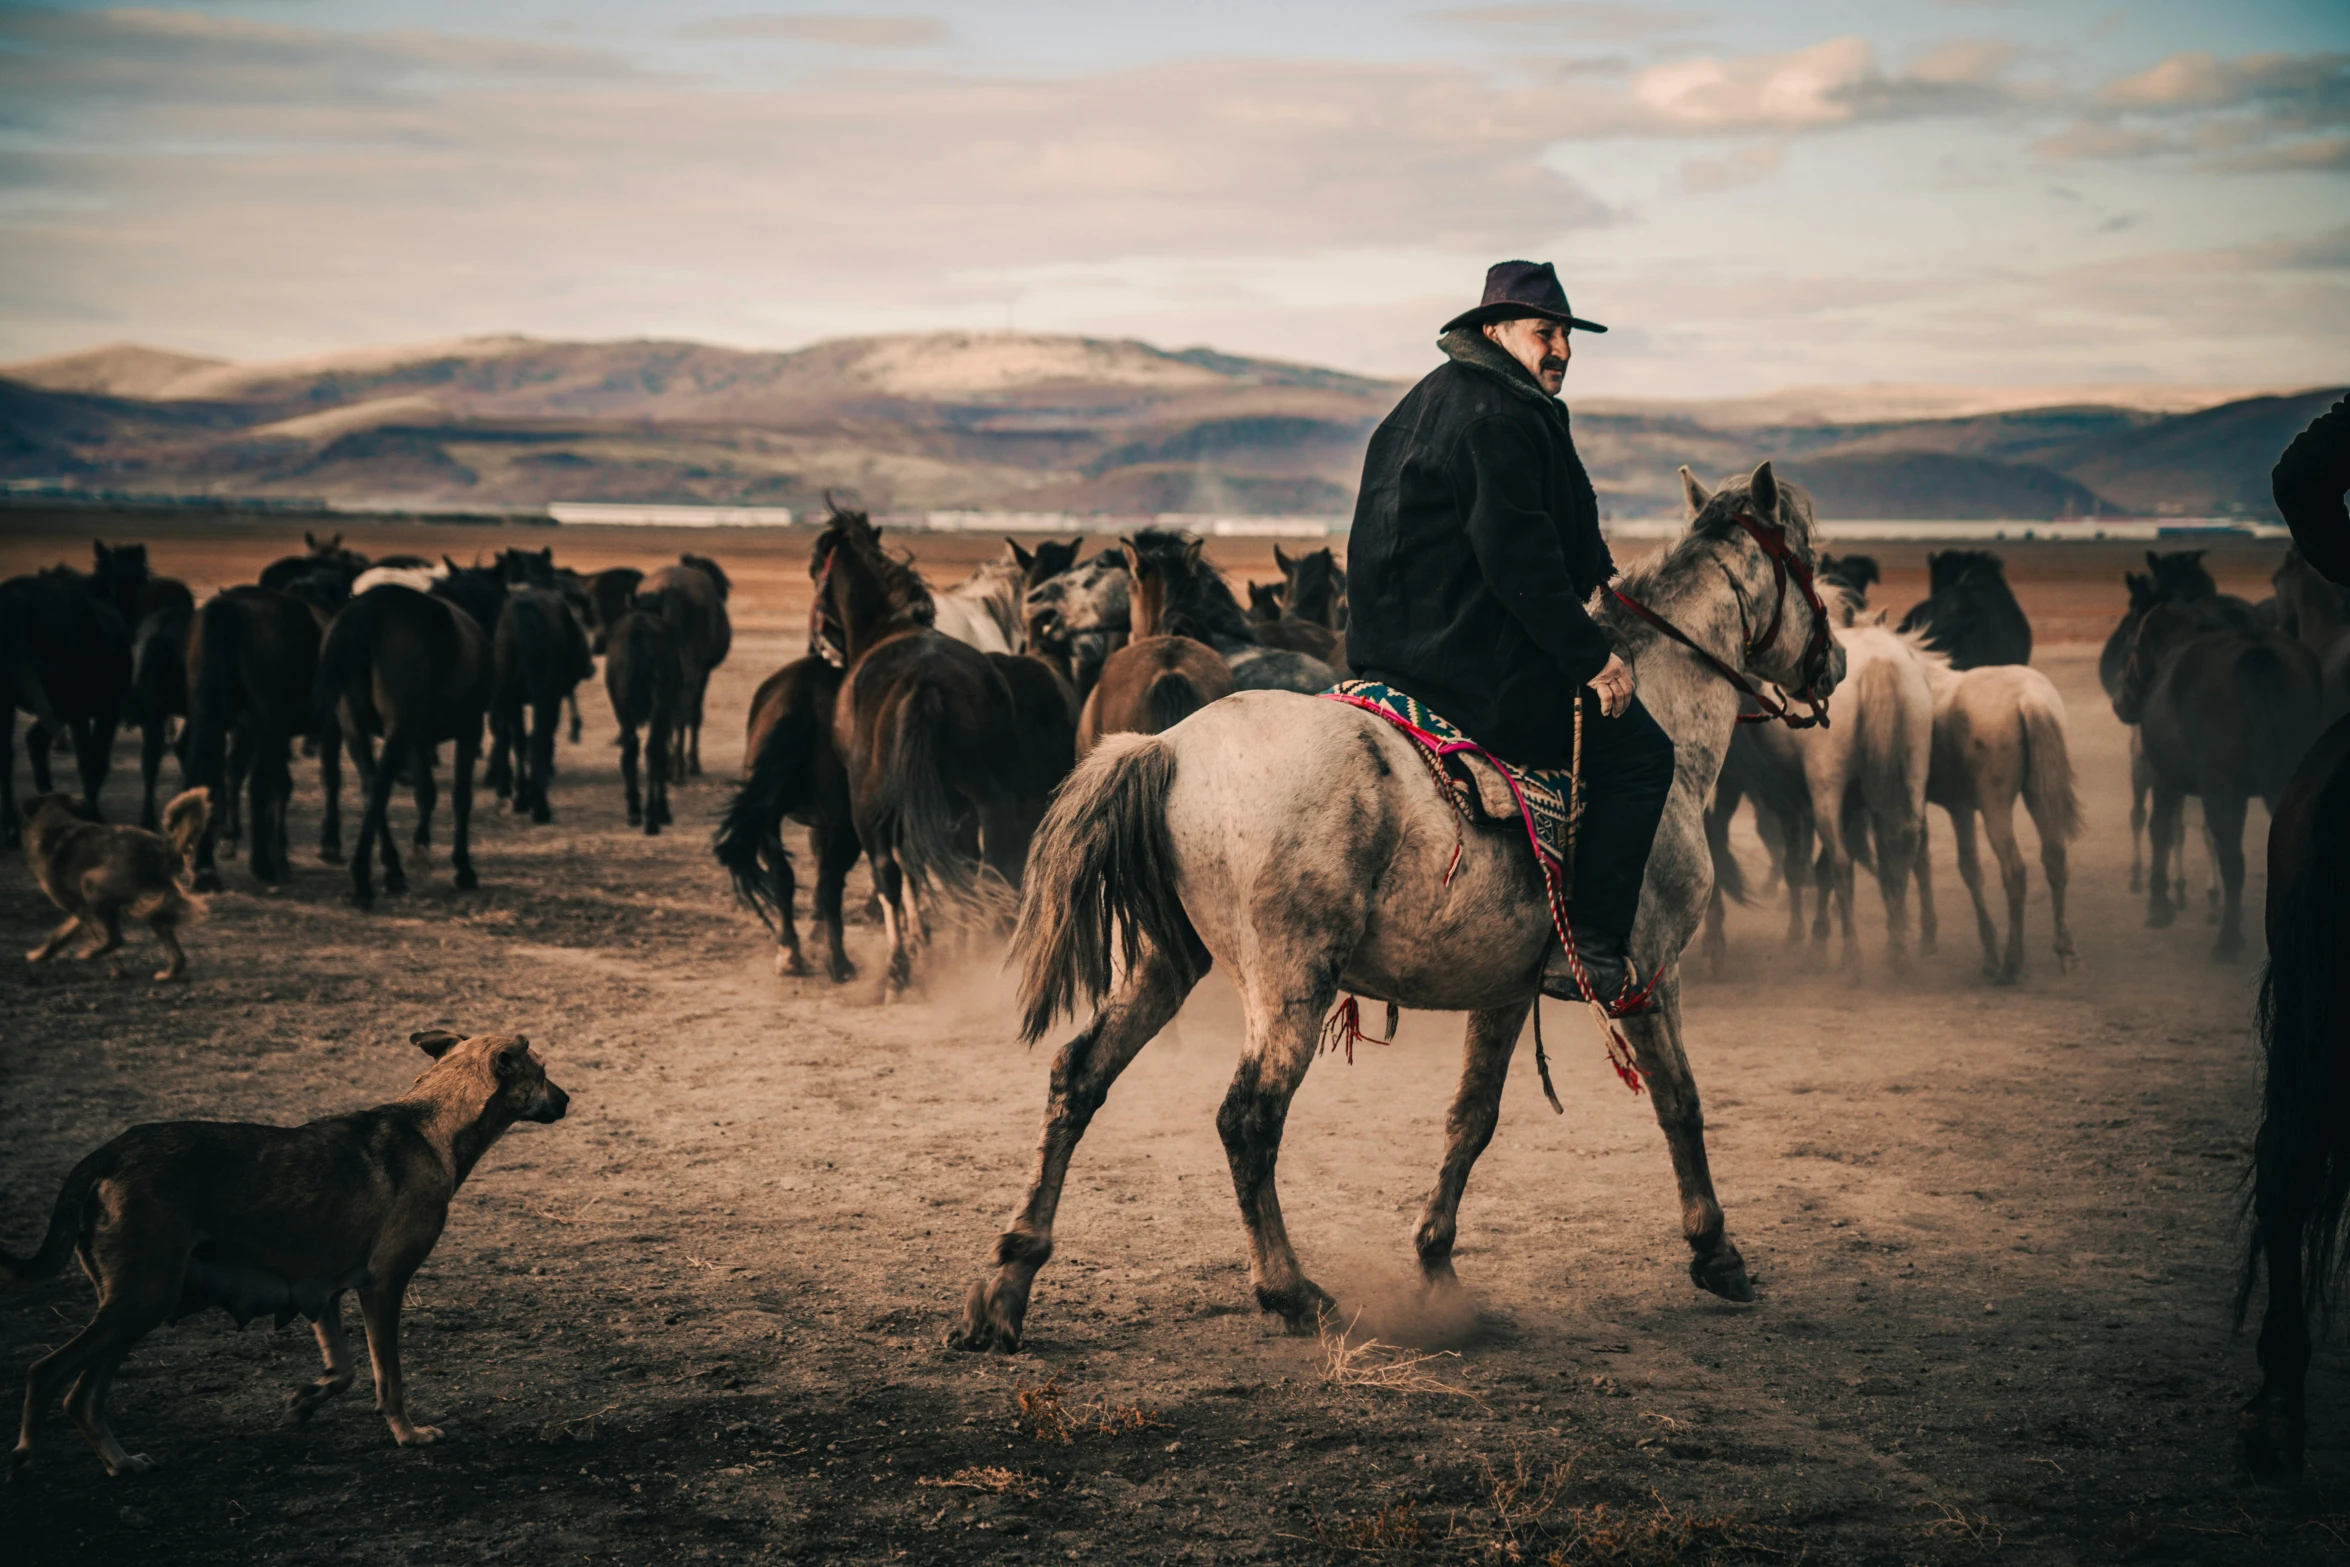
(1794, 657)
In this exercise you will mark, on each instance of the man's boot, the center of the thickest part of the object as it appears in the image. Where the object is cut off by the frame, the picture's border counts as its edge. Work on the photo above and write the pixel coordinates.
(1605, 960)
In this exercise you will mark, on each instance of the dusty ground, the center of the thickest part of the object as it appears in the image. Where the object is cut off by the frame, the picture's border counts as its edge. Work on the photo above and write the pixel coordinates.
(698, 1320)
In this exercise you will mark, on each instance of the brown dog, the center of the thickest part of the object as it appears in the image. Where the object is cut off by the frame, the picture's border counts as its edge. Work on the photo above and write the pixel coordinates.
(97, 874)
(275, 1221)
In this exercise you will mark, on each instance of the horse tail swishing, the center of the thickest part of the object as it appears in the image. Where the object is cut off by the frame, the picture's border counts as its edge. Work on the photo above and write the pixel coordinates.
(1102, 881)
(794, 773)
(912, 816)
(212, 707)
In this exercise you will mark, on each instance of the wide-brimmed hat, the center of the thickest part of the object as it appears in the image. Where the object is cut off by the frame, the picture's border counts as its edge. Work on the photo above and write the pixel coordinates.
(1522, 288)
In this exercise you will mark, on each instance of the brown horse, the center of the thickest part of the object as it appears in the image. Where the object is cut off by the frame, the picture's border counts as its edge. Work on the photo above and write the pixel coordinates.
(794, 772)
(415, 669)
(252, 658)
(2223, 715)
(929, 733)
(645, 676)
(691, 596)
(1156, 681)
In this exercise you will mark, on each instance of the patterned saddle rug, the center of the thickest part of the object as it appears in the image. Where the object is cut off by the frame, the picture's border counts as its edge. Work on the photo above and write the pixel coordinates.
(1546, 801)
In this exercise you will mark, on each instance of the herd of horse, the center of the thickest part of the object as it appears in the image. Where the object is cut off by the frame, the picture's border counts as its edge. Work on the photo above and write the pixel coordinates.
(1120, 763)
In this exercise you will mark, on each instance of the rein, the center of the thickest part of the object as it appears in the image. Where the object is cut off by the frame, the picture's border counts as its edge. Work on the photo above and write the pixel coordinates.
(1785, 563)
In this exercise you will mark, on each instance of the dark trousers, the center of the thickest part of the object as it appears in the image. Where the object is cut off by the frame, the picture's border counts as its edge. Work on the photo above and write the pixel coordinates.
(1627, 773)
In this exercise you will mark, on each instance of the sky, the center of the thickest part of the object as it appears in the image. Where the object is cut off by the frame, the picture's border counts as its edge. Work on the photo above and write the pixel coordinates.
(1810, 192)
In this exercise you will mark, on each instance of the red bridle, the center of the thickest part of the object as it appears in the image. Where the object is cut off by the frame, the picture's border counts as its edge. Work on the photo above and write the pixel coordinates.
(1818, 648)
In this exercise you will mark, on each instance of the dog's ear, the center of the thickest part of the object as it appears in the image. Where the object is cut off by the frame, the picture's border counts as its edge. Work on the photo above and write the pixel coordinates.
(435, 1042)
(512, 1055)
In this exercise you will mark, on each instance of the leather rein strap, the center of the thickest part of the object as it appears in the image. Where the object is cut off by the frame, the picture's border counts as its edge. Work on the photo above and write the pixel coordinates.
(1785, 563)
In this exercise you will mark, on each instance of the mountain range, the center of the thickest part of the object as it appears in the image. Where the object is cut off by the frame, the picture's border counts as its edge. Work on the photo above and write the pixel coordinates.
(1030, 422)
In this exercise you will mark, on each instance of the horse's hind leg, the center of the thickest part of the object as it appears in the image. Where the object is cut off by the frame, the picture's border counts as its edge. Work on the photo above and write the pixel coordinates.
(151, 748)
(2223, 819)
(1929, 922)
(1714, 1263)
(2056, 866)
(1284, 1031)
(1999, 828)
(1970, 871)
(572, 697)
(628, 772)
(424, 758)
(375, 828)
(2162, 841)
(837, 850)
(330, 788)
(1476, 1106)
(657, 764)
(2140, 782)
(1082, 1074)
(545, 719)
(462, 763)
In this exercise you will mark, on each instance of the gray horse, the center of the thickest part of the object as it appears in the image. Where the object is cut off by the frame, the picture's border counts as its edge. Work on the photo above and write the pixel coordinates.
(1303, 843)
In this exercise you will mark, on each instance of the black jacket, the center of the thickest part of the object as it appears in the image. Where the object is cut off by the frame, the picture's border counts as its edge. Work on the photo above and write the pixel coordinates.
(1476, 542)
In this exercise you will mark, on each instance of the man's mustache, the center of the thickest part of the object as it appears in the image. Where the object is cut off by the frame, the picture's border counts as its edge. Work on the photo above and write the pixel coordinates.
(1553, 362)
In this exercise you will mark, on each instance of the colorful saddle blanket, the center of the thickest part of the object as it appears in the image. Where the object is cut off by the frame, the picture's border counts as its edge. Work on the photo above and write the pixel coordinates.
(1546, 800)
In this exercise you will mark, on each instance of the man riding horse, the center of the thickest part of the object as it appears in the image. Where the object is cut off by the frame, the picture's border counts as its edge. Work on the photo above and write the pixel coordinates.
(1476, 547)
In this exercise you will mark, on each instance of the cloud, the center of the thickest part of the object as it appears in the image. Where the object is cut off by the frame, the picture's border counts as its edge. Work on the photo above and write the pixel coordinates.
(2253, 114)
(1577, 23)
(1837, 82)
(1741, 166)
(844, 32)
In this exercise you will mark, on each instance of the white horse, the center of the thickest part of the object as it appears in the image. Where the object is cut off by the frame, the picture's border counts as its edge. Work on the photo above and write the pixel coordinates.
(1860, 785)
(1303, 843)
(983, 611)
(1999, 734)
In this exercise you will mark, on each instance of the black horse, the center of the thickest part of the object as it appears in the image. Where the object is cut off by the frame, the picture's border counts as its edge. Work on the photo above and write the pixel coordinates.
(320, 557)
(415, 669)
(691, 595)
(77, 655)
(252, 659)
(1969, 613)
(1857, 573)
(794, 773)
(159, 683)
(645, 676)
(540, 653)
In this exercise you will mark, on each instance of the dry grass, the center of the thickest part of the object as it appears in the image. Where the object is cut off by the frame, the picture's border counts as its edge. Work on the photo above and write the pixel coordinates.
(991, 1479)
(1956, 1523)
(1369, 1363)
(1659, 1535)
(1395, 1526)
(1047, 1417)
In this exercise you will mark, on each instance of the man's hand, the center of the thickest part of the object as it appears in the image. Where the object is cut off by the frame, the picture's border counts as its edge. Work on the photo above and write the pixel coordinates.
(1614, 685)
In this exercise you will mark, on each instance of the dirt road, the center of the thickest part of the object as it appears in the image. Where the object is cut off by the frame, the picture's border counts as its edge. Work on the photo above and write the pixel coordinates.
(699, 1319)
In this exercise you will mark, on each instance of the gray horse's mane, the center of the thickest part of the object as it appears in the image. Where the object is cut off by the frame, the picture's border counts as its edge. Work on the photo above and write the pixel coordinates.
(1712, 525)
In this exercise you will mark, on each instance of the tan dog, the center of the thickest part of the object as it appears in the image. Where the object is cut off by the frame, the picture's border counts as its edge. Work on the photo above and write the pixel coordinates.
(275, 1221)
(97, 874)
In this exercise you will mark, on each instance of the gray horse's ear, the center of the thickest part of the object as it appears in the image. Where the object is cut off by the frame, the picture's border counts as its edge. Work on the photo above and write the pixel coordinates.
(435, 1042)
(1763, 490)
(1693, 492)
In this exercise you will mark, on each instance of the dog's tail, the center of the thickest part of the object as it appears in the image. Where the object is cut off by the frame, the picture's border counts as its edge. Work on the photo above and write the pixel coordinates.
(65, 1222)
(186, 817)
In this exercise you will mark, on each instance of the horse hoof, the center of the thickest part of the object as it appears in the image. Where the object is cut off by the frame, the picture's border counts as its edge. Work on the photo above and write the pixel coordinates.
(2159, 918)
(364, 897)
(395, 885)
(330, 854)
(2269, 1444)
(1303, 1309)
(789, 964)
(636, 818)
(988, 1323)
(467, 881)
(542, 813)
(1722, 1273)
(842, 972)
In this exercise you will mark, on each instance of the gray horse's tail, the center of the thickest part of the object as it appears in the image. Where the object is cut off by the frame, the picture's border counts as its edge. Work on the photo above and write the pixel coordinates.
(1101, 880)
(2048, 773)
